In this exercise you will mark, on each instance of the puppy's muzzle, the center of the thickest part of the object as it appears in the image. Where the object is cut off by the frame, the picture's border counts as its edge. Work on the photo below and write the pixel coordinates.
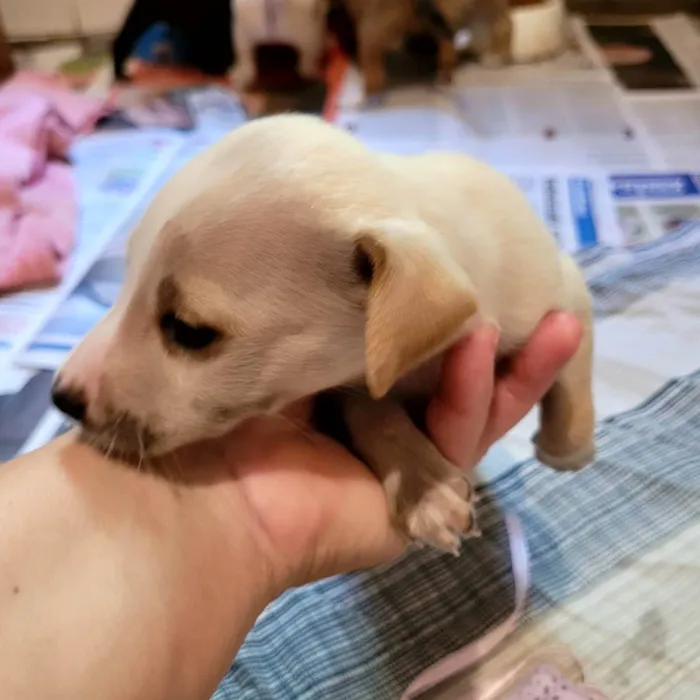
(115, 432)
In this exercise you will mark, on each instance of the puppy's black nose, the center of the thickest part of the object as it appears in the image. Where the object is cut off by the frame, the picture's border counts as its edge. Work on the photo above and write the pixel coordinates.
(70, 402)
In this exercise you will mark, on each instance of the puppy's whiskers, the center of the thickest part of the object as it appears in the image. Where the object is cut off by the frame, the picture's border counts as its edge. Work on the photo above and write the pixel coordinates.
(142, 451)
(115, 433)
(112, 443)
(308, 433)
(178, 464)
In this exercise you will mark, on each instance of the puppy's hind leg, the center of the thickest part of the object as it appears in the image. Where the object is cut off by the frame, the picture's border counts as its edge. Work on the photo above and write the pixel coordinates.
(429, 499)
(566, 439)
(493, 36)
(502, 38)
(373, 40)
(310, 55)
(447, 61)
(244, 71)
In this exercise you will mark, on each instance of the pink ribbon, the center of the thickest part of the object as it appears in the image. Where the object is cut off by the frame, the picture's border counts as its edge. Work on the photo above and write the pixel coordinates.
(470, 655)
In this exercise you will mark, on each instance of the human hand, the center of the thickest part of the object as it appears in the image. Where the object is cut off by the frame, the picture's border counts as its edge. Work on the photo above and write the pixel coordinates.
(317, 511)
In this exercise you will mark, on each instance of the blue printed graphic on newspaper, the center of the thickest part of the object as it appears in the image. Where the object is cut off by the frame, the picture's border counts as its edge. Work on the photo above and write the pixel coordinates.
(650, 206)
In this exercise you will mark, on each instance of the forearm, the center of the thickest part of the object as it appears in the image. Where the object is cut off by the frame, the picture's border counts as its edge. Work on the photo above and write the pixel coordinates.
(113, 585)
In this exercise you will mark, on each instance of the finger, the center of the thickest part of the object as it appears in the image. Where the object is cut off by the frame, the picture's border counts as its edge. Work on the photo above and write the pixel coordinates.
(457, 414)
(532, 372)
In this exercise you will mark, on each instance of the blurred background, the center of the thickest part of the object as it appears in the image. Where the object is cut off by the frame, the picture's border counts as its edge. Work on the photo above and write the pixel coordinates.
(591, 106)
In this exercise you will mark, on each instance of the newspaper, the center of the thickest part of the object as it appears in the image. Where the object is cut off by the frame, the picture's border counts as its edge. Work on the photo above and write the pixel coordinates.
(595, 106)
(52, 425)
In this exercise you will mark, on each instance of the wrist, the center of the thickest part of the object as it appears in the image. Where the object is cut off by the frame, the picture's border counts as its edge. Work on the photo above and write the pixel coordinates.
(136, 566)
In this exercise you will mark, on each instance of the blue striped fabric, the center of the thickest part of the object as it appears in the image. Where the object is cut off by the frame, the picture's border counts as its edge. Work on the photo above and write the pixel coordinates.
(368, 635)
(634, 275)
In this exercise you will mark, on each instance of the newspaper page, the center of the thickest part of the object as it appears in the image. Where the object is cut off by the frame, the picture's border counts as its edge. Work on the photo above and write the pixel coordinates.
(52, 425)
(619, 97)
(559, 113)
(576, 206)
(669, 117)
(21, 411)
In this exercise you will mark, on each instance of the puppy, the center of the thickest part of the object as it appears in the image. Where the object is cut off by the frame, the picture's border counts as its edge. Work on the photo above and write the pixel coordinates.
(288, 260)
(381, 25)
(206, 24)
(298, 23)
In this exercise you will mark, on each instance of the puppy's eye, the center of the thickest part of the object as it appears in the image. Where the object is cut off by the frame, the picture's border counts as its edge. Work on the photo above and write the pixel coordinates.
(189, 337)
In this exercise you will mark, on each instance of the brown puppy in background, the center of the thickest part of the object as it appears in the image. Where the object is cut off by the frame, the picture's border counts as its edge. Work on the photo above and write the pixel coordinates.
(289, 259)
(381, 25)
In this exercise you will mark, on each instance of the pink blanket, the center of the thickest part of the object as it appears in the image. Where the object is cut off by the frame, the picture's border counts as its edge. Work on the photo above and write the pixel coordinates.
(39, 118)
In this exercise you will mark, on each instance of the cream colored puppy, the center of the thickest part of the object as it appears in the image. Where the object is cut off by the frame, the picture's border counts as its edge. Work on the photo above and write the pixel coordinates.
(289, 259)
(297, 23)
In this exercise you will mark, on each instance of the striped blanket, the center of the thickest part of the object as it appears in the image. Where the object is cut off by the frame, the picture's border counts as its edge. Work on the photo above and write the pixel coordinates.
(614, 574)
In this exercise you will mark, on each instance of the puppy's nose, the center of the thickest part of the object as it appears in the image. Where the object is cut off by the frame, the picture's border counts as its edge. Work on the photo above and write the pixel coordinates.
(70, 401)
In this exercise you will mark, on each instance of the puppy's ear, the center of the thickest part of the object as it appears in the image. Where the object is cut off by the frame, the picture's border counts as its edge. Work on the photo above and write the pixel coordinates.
(418, 299)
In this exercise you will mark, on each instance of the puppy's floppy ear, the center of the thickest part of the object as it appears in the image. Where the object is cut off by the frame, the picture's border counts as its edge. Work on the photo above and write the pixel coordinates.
(418, 299)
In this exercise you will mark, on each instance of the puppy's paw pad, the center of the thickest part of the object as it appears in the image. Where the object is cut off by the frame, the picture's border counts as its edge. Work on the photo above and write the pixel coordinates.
(566, 462)
(443, 516)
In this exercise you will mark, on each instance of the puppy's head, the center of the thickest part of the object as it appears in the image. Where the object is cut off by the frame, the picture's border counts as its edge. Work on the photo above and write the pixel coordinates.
(261, 275)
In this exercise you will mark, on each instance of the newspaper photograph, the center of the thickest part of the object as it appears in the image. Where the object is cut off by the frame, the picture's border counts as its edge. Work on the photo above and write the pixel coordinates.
(653, 205)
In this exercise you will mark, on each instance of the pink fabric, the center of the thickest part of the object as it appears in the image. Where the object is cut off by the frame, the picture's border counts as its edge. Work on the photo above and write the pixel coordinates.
(39, 118)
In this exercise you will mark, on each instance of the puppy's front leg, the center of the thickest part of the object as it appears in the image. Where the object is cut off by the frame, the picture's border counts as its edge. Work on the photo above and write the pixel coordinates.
(371, 56)
(447, 60)
(244, 72)
(430, 500)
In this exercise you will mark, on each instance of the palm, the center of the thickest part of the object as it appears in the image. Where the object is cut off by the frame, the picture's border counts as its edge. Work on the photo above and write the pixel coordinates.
(303, 487)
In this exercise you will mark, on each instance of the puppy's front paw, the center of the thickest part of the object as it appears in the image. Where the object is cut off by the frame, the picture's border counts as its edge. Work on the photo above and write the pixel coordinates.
(443, 515)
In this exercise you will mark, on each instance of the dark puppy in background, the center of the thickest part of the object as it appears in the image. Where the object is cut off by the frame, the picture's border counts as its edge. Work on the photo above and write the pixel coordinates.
(382, 25)
(206, 25)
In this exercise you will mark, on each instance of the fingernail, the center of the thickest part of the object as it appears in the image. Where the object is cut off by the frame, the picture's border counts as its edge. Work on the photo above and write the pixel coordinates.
(558, 316)
(565, 320)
